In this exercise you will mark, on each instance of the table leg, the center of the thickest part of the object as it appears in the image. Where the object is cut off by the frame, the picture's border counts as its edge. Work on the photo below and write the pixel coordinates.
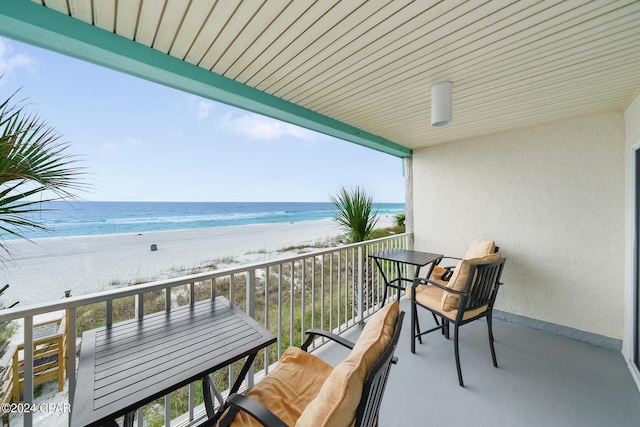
(386, 282)
(210, 391)
(399, 270)
(128, 419)
(415, 325)
(208, 398)
(417, 275)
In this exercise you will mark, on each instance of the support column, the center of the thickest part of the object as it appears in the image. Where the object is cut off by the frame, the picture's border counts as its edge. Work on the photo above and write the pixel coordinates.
(408, 197)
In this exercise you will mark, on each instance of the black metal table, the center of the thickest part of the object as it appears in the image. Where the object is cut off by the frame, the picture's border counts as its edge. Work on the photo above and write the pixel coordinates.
(404, 256)
(132, 363)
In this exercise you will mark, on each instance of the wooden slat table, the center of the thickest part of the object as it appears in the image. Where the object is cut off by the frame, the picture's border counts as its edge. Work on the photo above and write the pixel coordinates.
(132, 363)
(403, 256)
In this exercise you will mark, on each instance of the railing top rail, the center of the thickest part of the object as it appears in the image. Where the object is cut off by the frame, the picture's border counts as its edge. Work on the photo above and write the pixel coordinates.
(65, 303)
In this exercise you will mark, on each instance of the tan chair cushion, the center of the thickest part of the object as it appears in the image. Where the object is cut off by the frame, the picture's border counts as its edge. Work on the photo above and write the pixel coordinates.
(337, 402)
(289, 387)
(409, 291)
(477, 249)
(480, 248)
(460, 278)
(431, 296)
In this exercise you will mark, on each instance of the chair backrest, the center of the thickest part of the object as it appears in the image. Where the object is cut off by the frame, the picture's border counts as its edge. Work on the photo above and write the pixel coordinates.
(483, 284)
(374, 385)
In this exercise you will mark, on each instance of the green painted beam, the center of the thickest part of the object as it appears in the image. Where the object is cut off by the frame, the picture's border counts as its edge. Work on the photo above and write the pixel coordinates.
(28, 22)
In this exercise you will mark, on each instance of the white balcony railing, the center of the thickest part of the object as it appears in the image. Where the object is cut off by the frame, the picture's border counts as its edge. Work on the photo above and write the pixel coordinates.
(332, 289)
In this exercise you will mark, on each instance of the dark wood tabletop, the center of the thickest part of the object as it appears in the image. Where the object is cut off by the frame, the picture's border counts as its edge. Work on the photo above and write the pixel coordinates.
(406, 256)
(132, 363)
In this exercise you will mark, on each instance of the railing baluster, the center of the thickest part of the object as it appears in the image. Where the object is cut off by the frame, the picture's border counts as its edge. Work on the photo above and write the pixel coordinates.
(354, 285)
(331, 291)
(232, 290)
(322, 269)
(192, 399)
(71, 353)
(139, 302)
(28, 369)
(109, 313)
(266, 316)
(303, 265)
(251, 311)
(167, 410)
(192, 293)
(292, 297)
(280, 300)
(167, 299)
(360, 285)
(313, 293)
(339, 291)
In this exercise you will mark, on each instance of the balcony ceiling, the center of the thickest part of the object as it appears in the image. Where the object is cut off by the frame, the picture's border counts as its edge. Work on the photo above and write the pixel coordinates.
(371, 64)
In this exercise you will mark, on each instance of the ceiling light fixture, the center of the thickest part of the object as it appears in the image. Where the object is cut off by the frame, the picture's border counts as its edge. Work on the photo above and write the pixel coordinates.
(441, 104)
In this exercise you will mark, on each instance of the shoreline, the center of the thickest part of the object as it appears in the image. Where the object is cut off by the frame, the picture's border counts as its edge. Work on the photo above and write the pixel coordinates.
(44, 268)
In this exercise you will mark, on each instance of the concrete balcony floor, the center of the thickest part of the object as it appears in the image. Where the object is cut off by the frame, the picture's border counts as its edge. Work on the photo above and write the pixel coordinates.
(542, 380)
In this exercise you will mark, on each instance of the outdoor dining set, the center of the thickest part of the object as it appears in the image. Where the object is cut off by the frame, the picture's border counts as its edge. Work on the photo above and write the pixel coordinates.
(129, 364)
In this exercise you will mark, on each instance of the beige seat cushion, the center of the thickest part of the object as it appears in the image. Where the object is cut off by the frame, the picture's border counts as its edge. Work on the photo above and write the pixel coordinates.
(460, 278)
(431, 296)
(289, 387)
(337, 402)
(409, 291)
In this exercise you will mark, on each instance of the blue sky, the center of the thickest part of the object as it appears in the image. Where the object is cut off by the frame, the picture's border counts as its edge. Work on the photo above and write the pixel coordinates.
(141, 141)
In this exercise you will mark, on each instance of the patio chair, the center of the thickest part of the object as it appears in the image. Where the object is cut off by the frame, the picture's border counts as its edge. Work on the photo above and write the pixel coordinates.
(469, 296)
(304, 390)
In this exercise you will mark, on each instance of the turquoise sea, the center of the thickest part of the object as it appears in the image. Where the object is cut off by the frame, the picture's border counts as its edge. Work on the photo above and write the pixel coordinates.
(91, 218)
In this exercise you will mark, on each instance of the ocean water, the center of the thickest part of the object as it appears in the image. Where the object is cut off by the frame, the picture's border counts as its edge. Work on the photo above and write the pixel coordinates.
(92, 218)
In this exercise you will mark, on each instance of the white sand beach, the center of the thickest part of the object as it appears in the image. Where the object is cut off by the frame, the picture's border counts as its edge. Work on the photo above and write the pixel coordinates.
(43, 269)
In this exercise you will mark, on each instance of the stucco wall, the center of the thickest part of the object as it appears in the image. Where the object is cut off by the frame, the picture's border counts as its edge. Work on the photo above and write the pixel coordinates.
(552, 197)
(632, 137)
(632, 122)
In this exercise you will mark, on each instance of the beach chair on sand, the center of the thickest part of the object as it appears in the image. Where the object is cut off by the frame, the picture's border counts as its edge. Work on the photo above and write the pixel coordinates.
(49, 352)
(6, 391)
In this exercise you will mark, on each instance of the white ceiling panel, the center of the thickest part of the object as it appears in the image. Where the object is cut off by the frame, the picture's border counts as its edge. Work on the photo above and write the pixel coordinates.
(371, 64)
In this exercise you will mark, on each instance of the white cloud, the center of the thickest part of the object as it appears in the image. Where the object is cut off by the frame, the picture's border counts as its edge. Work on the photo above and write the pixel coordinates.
(204, 108)
(110, 148)
(10, 62)
(135, 142)
(255, 126)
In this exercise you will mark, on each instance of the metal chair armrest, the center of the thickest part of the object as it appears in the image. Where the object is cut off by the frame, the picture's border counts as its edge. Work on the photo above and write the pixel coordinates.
(447, 257)
(238, 402)
(319, 332)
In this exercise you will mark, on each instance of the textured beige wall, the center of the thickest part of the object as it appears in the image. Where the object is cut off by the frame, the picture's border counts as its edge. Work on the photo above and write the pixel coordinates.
(553, 199)
(632, 137)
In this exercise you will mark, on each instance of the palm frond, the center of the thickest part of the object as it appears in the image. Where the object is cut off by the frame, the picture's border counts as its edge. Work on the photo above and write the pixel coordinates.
(35, 167)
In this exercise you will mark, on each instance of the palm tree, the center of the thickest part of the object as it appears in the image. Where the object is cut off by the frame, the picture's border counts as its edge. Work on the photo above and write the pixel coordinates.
(354, 213)
(399, 219)
(35, 168)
